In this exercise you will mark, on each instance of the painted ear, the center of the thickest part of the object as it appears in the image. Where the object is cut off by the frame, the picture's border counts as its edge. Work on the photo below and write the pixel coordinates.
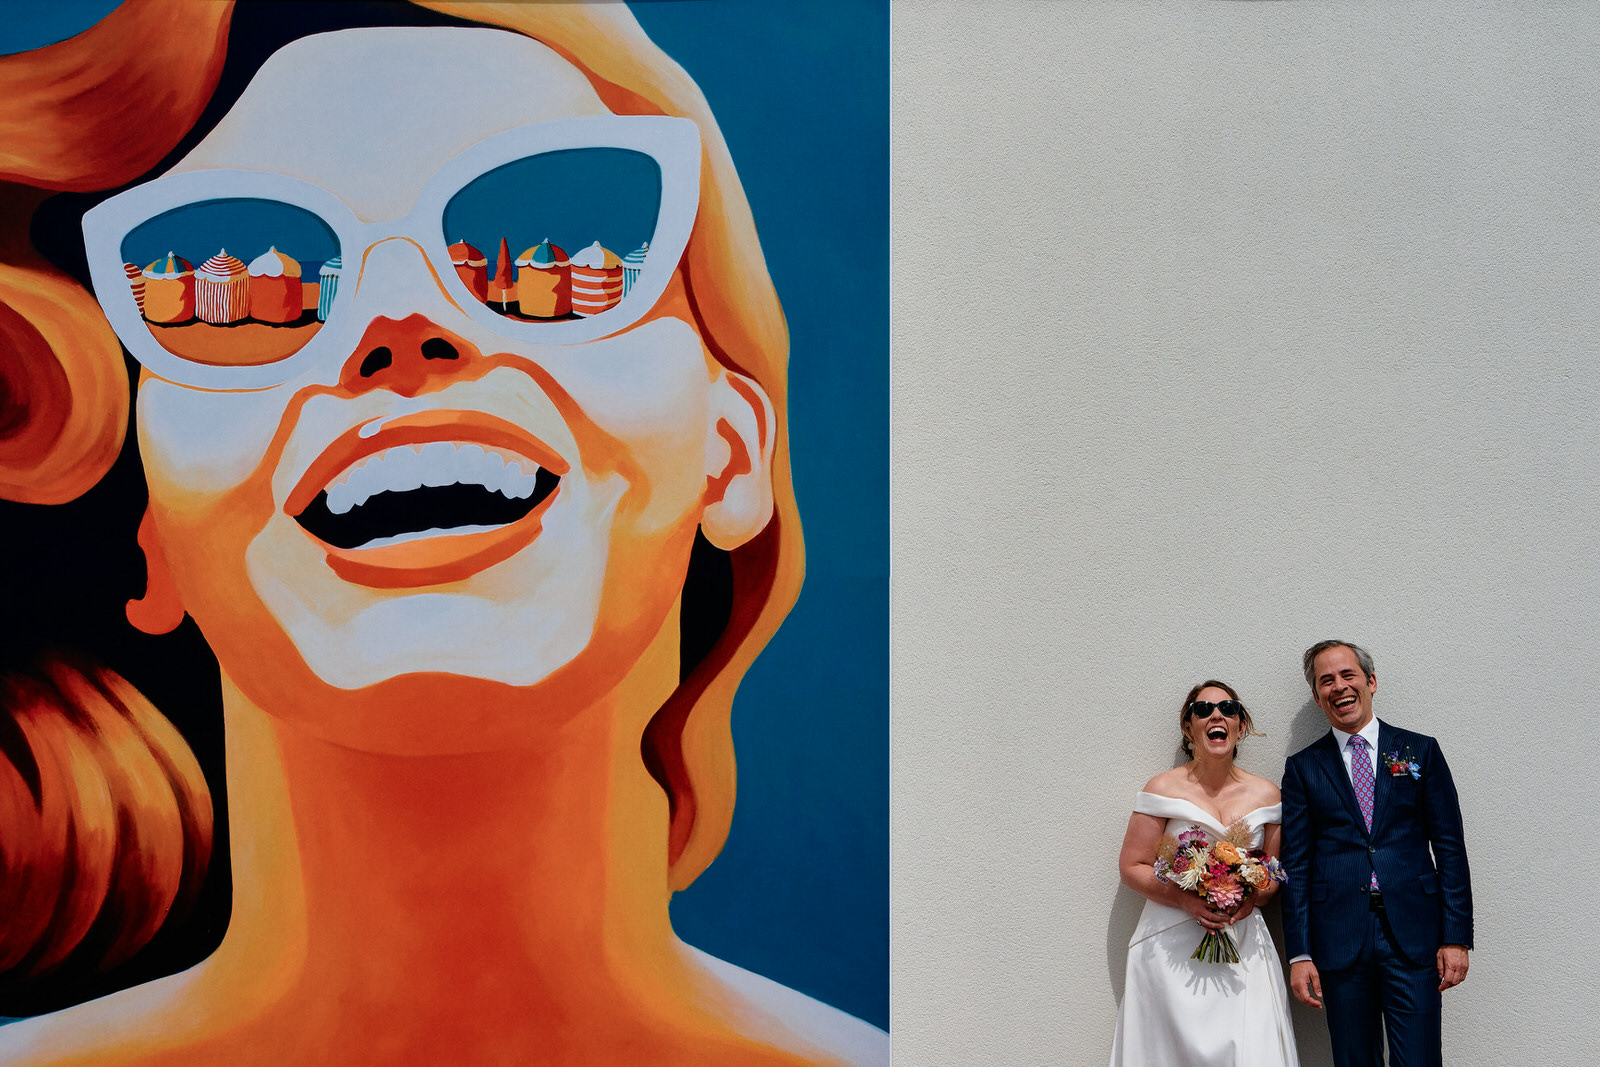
(158, 611)
(741, 428)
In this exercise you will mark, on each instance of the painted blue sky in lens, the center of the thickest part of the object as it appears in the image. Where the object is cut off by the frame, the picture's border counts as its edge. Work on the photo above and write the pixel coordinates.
(245, 227)
(573, 197)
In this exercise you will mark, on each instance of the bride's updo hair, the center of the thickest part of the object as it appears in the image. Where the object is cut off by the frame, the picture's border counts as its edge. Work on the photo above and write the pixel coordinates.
(1183, 715)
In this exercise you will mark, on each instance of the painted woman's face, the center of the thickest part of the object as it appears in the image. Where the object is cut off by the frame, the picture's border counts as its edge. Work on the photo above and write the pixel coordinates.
(438, 498)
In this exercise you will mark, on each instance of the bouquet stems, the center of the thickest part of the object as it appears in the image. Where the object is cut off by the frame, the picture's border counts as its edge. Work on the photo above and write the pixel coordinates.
(1216, 947)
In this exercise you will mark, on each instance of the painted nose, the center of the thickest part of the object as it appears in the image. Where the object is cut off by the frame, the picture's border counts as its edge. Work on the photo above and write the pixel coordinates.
(408, 356)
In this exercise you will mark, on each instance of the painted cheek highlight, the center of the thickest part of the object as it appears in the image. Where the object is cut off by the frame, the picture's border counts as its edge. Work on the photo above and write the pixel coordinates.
(648, 390)
(202, 442)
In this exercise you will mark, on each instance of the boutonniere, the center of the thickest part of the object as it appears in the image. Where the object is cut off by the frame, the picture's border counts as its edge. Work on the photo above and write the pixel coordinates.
(1398, 766)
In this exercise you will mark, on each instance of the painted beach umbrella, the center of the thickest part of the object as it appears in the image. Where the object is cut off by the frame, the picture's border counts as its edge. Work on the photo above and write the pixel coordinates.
(169, 290)
(222, 289)
(503, 286)
(275, 288)
(544, 281)
(328, 286)
(632, 264)
(472, 267)
(596, 280)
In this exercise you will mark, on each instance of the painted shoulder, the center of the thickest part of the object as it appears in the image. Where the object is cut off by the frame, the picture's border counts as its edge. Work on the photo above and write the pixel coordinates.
(833, 1033)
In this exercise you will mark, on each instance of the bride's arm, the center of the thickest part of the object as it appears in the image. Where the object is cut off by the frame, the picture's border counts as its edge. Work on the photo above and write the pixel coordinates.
(1137, 865)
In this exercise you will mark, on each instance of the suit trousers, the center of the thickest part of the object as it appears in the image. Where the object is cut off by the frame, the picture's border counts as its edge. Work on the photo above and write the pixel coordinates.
(1383, 989)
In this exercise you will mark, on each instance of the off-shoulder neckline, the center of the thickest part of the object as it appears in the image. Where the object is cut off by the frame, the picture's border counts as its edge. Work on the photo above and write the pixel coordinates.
(1210, 819)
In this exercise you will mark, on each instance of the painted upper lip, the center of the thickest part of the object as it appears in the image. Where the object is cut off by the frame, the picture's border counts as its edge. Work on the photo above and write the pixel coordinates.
(465, 427)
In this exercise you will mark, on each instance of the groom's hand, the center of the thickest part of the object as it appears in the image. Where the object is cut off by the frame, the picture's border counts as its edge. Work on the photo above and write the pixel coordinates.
(1452, 965)
(1307, 983)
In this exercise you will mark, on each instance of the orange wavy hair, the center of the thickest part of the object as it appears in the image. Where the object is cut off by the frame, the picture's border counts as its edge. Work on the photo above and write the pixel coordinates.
(107, 818)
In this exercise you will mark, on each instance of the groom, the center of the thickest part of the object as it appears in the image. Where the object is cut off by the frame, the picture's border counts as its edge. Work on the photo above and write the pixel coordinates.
(1371, 925)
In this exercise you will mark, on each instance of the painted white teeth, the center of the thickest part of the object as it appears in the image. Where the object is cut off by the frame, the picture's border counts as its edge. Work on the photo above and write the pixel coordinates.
(436, 463)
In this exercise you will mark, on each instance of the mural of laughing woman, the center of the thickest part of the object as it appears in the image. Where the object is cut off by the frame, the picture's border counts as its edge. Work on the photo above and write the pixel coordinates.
(481, 559)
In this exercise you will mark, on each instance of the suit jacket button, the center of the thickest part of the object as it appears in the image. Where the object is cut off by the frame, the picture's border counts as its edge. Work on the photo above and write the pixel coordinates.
(1372, 848)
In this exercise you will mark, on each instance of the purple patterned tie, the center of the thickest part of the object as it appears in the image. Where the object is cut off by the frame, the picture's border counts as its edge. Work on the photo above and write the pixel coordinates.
(1361, 778)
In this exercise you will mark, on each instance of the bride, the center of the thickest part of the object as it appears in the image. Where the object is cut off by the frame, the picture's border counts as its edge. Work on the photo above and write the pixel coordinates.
(1178, 1010)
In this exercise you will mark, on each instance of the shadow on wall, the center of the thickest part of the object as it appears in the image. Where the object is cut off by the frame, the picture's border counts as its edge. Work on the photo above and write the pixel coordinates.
(1310, 1025)
(1125, 910)
(1308, 725)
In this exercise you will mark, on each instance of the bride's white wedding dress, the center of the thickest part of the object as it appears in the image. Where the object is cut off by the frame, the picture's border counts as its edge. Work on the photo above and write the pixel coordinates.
(1177, 1011)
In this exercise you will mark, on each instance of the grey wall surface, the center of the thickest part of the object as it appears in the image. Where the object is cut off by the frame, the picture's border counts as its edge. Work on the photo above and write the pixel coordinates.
(1221, 328)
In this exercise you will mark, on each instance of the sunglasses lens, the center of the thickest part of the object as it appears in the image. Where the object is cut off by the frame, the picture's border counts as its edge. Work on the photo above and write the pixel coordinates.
(1202, 709)
(559, 235)
(232, 282)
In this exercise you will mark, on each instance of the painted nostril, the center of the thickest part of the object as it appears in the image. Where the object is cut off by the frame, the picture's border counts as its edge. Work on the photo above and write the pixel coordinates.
(439, 348)
(376, 360)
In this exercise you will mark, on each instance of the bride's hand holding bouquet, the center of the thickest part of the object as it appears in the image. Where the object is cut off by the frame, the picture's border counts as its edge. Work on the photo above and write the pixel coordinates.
(1226, 878)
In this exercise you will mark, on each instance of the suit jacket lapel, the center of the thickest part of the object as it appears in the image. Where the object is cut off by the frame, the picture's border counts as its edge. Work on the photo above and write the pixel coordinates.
(1332, 762)
(1380, 791)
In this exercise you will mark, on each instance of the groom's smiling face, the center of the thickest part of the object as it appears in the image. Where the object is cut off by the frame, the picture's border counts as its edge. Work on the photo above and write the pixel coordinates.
(1344, 691)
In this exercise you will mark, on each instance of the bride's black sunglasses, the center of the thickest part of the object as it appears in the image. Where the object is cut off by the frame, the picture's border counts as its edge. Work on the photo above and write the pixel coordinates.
(1202, 709)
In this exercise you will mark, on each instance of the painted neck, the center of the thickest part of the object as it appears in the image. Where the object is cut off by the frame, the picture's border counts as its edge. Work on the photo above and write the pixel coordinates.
(402, 880)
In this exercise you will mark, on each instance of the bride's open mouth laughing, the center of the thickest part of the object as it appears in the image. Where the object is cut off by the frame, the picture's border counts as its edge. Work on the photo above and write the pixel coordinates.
(1217, 733)
(426, 498)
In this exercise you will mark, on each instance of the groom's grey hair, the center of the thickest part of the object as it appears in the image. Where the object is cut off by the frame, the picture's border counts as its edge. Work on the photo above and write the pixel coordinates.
(1363, 657)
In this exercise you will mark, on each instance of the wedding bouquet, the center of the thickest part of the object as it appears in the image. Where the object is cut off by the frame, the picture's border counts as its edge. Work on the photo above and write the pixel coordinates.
(1225, 874)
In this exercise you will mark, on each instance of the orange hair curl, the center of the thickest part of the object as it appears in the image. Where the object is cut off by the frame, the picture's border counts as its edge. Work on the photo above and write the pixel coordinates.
(80, 115)
(107, 819)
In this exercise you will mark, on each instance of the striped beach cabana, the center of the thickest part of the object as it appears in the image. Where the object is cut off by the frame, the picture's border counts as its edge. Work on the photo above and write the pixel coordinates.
(222, 289)
(135, 275)
(327, 286)
(596, 280)
(632, 264)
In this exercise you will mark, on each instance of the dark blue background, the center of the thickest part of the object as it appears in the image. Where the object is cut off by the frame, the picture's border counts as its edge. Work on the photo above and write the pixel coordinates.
(800, 89)
(801, 892)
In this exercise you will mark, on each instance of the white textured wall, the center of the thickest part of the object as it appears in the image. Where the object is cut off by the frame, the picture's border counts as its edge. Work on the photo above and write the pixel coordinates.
(1221, 328)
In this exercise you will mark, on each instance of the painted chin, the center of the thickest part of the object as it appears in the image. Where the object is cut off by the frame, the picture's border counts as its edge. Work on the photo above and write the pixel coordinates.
(425, 499)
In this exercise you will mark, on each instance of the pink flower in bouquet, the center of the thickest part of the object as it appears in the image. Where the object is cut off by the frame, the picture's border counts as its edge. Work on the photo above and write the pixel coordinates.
(1225, 893)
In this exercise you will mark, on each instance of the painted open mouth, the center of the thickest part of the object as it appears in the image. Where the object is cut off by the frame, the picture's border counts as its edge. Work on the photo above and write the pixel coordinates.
(440, 487)
(426, 498)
